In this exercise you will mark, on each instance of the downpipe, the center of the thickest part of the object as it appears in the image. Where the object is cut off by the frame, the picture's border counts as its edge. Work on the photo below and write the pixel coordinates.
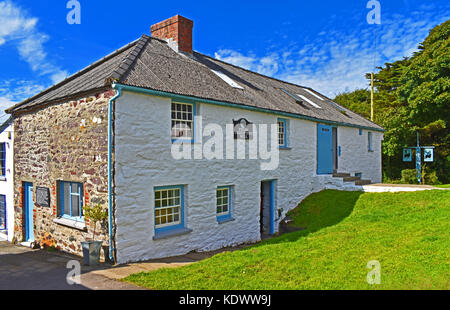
(110, 193)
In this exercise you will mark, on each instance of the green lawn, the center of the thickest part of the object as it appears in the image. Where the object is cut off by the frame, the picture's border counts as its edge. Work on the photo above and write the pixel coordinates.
(408, 233)
(443, 186)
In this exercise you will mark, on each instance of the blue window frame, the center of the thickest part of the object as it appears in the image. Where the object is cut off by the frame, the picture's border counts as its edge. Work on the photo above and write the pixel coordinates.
(360, 131)
(182, 121)
(223, 203)
(71, 200)
(2, 159)
(369, 142)
(282, 133)
(168, 208)
(2, 212)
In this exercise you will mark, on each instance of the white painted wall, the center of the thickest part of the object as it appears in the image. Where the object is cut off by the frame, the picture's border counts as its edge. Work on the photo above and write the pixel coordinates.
(143, 161)
(355, 156)
(7, 182)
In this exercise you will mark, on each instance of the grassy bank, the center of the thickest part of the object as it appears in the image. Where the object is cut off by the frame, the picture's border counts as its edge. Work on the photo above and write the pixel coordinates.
(408, 233)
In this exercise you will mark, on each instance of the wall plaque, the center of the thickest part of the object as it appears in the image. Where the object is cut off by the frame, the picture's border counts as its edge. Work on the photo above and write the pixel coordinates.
(43, 196)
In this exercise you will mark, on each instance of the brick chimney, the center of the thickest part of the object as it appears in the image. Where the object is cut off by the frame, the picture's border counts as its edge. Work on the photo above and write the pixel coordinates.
(177, 31)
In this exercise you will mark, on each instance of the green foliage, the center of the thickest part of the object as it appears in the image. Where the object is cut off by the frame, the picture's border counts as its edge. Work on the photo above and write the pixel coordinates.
(412, 94)
(407, 233)
(96, 214)
(409, 176)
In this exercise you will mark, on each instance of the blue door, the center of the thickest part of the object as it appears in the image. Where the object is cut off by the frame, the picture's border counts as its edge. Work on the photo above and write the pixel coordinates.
(324, 149)
(28, 207)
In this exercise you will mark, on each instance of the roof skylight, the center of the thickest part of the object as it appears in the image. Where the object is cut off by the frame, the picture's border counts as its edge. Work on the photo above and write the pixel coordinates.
(313, 93)
(227, 79)
(309, 101)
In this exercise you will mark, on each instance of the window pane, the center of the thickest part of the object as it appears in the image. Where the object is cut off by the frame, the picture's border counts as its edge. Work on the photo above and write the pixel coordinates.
(66, 199)
(75, 205)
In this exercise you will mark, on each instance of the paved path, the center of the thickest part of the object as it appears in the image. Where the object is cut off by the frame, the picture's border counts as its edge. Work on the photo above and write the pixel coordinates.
(378, 188)
(25, 269)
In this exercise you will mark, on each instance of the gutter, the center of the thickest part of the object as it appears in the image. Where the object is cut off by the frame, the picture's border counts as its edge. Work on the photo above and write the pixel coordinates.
(160, 93)
(110, 189)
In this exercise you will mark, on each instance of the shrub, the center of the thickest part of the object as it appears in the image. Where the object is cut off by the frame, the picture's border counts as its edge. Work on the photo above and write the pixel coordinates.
(95, 214)
(409, 176)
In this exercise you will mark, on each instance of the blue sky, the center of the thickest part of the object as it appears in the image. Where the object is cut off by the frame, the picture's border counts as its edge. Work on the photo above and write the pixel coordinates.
(326, 45)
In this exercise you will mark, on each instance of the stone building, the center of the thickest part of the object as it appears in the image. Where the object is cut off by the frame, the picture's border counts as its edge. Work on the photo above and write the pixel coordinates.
(171, 141)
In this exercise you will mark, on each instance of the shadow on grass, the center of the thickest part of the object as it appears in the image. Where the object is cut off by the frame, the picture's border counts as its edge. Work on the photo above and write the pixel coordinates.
(318, 211)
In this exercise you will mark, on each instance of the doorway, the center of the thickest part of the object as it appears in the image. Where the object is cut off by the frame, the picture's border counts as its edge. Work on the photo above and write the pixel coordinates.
(267, 212)
(327, 149)
(28, 210)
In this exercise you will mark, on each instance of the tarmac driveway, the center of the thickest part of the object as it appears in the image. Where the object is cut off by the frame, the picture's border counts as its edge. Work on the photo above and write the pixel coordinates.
(25, 269)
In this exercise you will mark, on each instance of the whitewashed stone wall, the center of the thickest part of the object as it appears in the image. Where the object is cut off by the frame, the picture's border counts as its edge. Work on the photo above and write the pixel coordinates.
(355, 156)
(7, 182)
(143, 161)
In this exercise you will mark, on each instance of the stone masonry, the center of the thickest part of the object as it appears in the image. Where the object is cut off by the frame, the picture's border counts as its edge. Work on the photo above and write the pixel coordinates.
(62, 142)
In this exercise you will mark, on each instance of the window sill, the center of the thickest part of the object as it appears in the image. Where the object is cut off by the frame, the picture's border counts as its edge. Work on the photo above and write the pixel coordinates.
(171, 233)
(2, 179)
(285, 148)
(70, 223)
(226, 220)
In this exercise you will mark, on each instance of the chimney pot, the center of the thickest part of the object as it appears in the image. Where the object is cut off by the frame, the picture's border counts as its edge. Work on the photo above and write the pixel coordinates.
(177, 29)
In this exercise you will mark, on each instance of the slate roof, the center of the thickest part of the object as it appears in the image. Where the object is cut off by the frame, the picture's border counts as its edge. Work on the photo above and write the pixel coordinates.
(150, 63)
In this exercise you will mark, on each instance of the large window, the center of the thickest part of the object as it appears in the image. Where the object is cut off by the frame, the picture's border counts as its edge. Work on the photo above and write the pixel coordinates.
(2, 159)
(223, 203)
(182, 121)
(2, 212)
(168, 207)
(71, 200)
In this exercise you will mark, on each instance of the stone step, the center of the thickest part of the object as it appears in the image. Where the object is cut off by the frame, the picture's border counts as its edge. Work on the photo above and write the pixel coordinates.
(363, 182)
(351, 179)
(341, 175)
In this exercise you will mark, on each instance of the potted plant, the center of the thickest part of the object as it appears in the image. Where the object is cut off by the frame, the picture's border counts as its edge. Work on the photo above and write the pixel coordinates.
(91, 248)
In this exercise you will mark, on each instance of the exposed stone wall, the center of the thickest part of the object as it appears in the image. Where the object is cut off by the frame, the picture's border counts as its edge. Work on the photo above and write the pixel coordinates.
(62, 142)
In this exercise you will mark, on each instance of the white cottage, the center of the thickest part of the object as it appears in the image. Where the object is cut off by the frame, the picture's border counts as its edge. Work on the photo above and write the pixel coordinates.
(6, 180)
(201, 154)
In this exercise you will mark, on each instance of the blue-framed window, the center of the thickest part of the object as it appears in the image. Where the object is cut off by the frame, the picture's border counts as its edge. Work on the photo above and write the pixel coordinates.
(369, 142)
(2, 159)
(71, 200)
(182, 121)
(282, 133)
(360, 131)
(169, 208)
(223, 203)
(2, 212)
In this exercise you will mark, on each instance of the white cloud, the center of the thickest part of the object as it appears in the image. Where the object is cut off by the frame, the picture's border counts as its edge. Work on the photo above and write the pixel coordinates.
(339, 61)
(20, 29)
(14, 91)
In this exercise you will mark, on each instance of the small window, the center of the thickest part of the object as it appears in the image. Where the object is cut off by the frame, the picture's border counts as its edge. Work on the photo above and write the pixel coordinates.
(369, 142)
(282, 133)
(168, 207)
(71, 200)
(2, 212)
(309, 101)
(227, 80)
(223, 205)
(313, 93)
(2, 159)
(182, 121)
(360, 131)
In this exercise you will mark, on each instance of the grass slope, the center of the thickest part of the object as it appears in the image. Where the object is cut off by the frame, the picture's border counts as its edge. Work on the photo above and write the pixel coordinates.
(408, 233)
